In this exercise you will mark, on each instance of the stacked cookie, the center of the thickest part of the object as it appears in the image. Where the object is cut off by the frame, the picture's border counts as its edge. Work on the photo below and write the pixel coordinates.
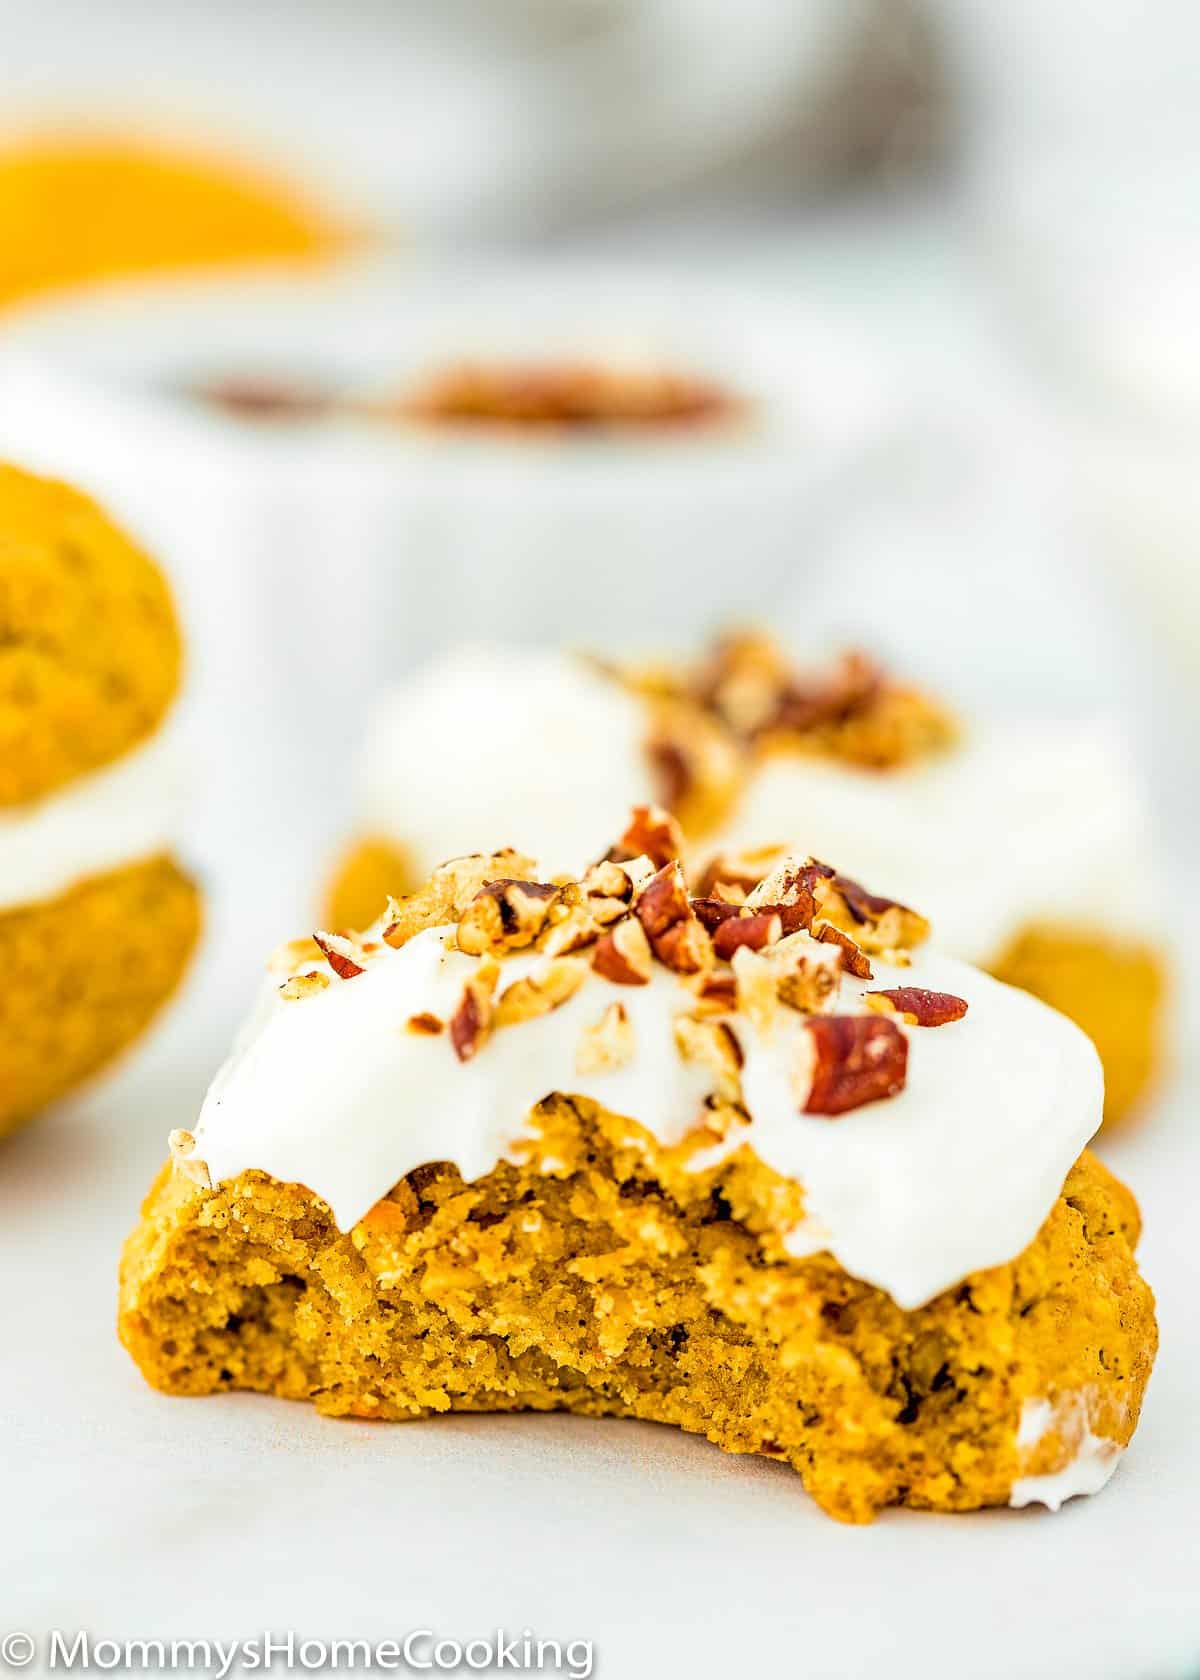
(97, 920)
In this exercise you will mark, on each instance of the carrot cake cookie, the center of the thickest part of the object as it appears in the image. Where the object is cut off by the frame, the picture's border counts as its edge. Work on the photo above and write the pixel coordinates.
(754, 1163)
(97, 920)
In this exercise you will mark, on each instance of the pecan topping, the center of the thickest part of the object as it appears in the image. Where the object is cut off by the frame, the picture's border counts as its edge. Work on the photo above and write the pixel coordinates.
(880, 925)
(623, 956)
(739, 871)
(339, 952)
(471, 1022)
(652, 833)
(504, 915)
(450, 889)
(609, 889)
(757, 930)
(718, 993)
(857, 1059)
(713, 911)
(716, 1046)
(676, 936)
(541, 990)
(792, 890)
(917, 1006)
(850, 710)
(426, 1024)
(570, 921)
(757, 987)
(853, 960)
(608, 1044)
(304, 985)
(808, 976)
(183, 1157)
(663, 902)
(684, 947)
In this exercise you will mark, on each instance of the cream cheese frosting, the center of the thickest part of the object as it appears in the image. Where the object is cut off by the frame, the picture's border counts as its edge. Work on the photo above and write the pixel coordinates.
(514, 746)
(1018, 822)
(121, 814)
(955, 1173)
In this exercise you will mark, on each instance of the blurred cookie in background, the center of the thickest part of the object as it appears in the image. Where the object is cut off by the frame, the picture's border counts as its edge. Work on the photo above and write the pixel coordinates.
(97, 919)
(79, 207)
(1026, 840)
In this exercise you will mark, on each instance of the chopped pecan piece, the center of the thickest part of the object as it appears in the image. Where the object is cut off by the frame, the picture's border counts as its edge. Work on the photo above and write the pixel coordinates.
(880, 925)
(544, 988)
(757, 987)
(504, 915)
(425, 1024)
(718, 993)
(673, 772)
(608, 1044)
(609, 889)
(713, 911)
(471, 1022)
(792, 890)
(449, 890)
(857, 1059)
(653, 833)
(741, 871)
(623, 956)
(917, 1006)
(808, 973)
(853, 960)
(686, 947)
(303, 985)
(716, 1046)
(850, 688)
(571, 921)
(663, 901)
(757, 930)
(183, 1157)
(340, 953)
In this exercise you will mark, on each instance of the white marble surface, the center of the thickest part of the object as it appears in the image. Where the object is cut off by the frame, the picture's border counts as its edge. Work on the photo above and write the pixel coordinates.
(132, 1515)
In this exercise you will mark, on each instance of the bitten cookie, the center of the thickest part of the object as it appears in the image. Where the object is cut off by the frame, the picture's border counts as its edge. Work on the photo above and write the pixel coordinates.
(752, 1163)
(97, 920)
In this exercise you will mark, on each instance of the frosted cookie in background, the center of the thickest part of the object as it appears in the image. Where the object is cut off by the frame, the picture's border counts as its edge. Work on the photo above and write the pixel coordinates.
(1026, 839)
(97, 919)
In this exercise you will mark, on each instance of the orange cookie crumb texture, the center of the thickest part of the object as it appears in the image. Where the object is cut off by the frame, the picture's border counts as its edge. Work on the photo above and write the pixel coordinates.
(87, 972)
(608, 1260)
(90, 648)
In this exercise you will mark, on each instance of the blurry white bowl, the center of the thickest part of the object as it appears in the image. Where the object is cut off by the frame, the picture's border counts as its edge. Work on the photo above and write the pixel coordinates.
(316, 561)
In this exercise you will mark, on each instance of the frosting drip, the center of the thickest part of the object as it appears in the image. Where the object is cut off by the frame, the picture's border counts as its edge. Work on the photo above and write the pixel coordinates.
(953, 1174)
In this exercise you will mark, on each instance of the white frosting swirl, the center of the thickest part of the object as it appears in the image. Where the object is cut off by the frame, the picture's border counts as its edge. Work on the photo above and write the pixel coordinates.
(1022, 821)
(955, 1173)
(127, 811)
(504, 747)
(1019, 822)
